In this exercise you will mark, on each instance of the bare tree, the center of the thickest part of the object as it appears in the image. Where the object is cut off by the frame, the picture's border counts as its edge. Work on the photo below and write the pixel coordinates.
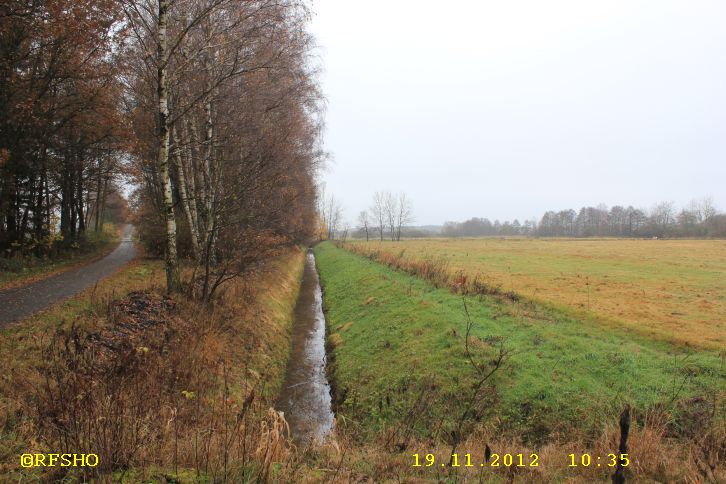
(390, 214)
(404, 214)
(344, 233)
(390, 204)
(703, 209)
(364, 222)
(334, 214)
(378, 210)
(663, 217)
(331, 213)
(321, 208)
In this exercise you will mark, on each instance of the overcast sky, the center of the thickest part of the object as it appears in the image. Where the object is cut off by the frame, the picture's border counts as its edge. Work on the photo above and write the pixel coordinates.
(505, 109)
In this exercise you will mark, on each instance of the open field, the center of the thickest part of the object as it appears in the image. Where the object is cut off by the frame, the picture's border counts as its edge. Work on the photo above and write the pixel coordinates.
(669, 289)
(401, 374)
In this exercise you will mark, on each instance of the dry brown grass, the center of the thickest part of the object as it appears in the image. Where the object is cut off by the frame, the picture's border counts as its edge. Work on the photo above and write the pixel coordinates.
(155, 386)
(669, 289)
(435, 269)
(653, 458)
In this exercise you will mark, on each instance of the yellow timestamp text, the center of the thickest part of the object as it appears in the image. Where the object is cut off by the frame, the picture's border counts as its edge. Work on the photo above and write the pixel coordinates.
(466, 460)
(589, 460)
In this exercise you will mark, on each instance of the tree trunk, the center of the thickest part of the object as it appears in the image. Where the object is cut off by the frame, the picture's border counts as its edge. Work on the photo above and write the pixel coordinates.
(65, 218)
(97, 204)
(185, 199)
(194, 155)
(12, 213)
(211, 180)
(79, 197)
(38, 210)
(48, 208)
(173, 282)
(24, 217)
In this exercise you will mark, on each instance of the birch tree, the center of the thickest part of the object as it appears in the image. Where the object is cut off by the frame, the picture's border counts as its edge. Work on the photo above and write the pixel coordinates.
(404, 213)
(378, 210)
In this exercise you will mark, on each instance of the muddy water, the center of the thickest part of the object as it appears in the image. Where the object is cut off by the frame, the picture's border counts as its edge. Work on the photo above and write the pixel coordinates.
(305, 396)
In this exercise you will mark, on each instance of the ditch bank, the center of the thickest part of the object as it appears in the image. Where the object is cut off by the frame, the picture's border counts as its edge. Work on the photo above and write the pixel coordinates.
(404, 376)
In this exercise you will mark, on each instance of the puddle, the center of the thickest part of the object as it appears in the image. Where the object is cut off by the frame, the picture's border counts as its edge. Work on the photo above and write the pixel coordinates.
(305, 396)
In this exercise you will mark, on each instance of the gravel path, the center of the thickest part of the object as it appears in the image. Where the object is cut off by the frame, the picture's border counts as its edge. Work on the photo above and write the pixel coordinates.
(21, 302)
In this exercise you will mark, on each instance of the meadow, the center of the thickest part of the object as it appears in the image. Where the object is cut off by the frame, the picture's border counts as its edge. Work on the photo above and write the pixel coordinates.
(404, 370)
(673, 290)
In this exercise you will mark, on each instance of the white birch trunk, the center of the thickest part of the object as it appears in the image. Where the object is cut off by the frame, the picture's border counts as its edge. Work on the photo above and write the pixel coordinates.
(185, 198)
(172, 261)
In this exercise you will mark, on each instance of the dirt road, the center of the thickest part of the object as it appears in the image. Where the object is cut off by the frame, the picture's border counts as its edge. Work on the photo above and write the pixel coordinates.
(21, 302)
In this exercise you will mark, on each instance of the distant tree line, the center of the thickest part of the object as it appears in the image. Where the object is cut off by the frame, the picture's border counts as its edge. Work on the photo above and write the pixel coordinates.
(699, 218)
(483, 226)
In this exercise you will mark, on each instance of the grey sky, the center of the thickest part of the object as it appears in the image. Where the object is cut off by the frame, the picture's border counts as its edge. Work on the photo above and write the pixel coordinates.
(505, 109)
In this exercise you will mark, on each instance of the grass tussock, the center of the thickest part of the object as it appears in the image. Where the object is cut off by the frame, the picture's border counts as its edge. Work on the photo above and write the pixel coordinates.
(159, 387)
(435, 269)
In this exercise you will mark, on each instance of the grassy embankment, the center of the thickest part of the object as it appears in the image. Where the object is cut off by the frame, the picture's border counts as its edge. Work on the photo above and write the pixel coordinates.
(668, 289)
(160, 388)
(23, 270)
(402, 377)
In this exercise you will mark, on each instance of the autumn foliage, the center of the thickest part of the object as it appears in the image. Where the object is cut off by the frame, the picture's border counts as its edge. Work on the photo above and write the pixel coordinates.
(61, 133)
(226, 119)
(209, 108)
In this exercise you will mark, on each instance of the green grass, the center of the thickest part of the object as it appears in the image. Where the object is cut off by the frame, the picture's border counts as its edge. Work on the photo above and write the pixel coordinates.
(394, 334)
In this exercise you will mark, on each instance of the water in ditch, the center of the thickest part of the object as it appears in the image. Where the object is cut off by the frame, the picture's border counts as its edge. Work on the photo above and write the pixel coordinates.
(305, 396)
